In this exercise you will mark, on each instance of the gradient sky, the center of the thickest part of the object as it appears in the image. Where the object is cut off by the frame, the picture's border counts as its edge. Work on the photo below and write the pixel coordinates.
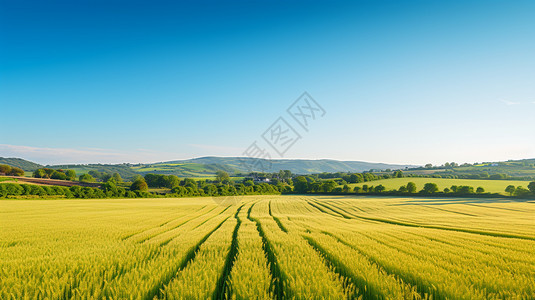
(137, 81)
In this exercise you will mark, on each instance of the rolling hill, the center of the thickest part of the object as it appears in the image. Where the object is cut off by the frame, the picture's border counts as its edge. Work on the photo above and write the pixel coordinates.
(298, 166)
(20, 163)
(208, 166)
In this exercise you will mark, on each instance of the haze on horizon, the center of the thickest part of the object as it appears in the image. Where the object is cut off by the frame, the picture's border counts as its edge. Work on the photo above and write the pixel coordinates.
(401, 82)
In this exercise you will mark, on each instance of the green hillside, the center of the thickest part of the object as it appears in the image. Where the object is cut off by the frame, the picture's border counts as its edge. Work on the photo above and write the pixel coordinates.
(521, 169)
(207, 166)
(297, 166)
(20, 163)
(125, 170)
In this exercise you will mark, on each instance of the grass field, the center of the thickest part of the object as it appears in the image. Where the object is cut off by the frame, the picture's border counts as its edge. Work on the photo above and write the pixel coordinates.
(265, 247)
(492, 186)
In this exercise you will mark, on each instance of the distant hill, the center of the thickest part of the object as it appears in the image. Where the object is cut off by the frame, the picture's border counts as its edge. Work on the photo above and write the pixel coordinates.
(125, 170)
(208, 166)
(298, 166)
(20, 163)
(523, 169)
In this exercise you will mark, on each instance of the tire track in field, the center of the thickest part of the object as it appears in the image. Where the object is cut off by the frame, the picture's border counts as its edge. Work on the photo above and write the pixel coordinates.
(151, 256)
(277, 220)
(213, 216)
(353, 284)
(332, 263)
(167, 241)
(401, 250)
(450, 211)
(175, 227)
(475, 248)
(165, 223)
(224, 281)
(278, 278)
(356, 207)
(341, 269)
(189, 257)
(421, 289)
(446, 267)
(341, 213)
(480, 205)
(324, 211)
(161, 225)
(465, 230)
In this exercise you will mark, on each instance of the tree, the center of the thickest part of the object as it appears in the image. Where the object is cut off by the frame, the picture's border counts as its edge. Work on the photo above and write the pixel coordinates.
(110, 188)
(86, 178)
(356, 189)
(5, 169)
(71, 175)
(464, 189)
(172, 181)
(151, 180)
(117, 177)
(222, 176)
(428, 166)
(58, 175)
(328, 186)
(300, 184)
(398, 174)
(379, 189)
(403, 189)
(430, 188)
(411, 187)
(510, 189)
(139, 185)
(531, 187)
(521, 191)
(16, 171)
(39, 173)
(480, 190)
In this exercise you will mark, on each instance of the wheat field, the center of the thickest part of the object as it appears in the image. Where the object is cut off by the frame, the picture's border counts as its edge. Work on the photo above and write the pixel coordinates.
(268, 247)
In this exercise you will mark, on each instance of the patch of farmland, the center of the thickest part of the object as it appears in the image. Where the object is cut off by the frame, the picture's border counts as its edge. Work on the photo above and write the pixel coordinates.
(268, 247)
(492, 186)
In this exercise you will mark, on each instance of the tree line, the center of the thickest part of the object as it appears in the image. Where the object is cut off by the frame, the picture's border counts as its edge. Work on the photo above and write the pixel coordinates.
(222, 186)
(91, 176)
(281, 183)
(49, 173)
(303, 185)
(11, 171)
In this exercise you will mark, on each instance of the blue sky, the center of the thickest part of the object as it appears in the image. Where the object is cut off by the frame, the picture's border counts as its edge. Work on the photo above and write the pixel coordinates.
(400, 81)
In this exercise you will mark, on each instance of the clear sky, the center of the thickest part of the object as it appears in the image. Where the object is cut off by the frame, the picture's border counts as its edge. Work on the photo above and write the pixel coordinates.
(144, 81)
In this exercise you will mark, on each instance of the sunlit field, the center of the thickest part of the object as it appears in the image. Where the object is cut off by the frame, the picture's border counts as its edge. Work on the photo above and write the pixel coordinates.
(268, 247)
(490, 186)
